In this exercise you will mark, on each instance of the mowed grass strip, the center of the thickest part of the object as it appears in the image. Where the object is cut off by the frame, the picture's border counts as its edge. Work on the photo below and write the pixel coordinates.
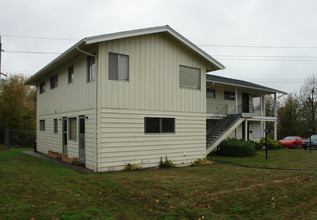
(33, 188)
(292, 159)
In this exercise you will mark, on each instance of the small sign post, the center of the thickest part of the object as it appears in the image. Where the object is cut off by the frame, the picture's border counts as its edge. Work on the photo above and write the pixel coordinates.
(266, 131)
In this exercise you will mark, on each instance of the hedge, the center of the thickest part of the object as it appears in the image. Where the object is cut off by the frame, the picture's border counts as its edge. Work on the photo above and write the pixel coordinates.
(236, 148)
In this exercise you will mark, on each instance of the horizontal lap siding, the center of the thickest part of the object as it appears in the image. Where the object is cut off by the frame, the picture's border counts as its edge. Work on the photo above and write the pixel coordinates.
(48, 140)
(124, 141)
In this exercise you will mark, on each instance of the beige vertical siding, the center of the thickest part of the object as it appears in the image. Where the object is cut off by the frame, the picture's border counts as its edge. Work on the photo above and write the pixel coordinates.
(67, 97)
(153, 76)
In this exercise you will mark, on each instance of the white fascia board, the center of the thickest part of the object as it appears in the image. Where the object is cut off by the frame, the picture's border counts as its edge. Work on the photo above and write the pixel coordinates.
(249, 87)
(125, 34)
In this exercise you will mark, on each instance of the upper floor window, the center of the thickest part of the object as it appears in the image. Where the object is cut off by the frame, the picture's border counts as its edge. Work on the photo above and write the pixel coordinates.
(211, 93)
(54, 81)
(189, 77)
(70, 74)
(256, 102)
(42, 87)
(118, 67)
(228, 95)
(91, 68)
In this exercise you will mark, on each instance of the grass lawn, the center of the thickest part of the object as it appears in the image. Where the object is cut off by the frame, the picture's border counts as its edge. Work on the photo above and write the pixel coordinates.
(33, 188)
(297, 159)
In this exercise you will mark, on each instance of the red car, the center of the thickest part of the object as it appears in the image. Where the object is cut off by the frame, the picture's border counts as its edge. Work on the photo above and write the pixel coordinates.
(292, 141)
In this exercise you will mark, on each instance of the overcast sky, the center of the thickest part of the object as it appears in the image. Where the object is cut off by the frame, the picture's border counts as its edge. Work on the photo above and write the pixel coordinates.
(268, 42)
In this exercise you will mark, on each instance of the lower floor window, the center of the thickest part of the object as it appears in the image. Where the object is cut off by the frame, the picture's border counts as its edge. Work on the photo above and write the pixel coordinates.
(42, 125)
(159, 125)
(55, 126)
(73, 129)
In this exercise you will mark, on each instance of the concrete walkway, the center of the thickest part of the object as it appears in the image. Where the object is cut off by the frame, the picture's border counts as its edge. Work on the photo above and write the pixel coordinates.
(76, 168)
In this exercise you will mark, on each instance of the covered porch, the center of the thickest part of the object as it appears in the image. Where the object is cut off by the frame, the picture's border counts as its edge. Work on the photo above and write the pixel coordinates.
(236, 109)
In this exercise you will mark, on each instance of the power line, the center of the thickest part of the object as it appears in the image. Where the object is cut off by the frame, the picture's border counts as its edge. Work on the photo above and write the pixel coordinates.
(42, 38)
(255, 59)
(269, 56)
(201, 45)
(258, 46)
(33, 52)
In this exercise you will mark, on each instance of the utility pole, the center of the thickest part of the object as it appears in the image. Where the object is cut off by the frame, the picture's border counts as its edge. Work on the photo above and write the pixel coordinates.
(0, 61)
(0, 58)
(313, 111)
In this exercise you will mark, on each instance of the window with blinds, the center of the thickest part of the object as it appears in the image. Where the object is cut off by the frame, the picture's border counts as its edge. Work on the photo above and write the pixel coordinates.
(189, 77)
(118, 67)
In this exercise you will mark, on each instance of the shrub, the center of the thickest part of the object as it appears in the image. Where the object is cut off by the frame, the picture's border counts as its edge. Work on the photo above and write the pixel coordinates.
(258, 145)
(3, 148)
(130, 166)
(236, 148)
(166, 164)
(202, 162)
(271, 144)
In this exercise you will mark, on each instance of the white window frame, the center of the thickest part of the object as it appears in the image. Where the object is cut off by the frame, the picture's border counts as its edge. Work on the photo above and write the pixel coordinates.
(211, 95)
(42, 125)
(186, 83)
(42, 87)
(71, 74)
(72, 131)
(121, 72)
(160, 125)
(91, 69)
(54, 81)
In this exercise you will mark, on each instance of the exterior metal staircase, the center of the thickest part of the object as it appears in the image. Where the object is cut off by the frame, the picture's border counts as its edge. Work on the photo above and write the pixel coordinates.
(222, 129)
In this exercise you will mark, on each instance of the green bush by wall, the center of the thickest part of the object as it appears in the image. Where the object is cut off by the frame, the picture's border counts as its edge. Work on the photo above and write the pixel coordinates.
(236, 148)
(272, 144)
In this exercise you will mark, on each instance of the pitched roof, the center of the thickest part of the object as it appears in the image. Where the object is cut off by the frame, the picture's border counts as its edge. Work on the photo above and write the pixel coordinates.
(114, 36)
(240, 83)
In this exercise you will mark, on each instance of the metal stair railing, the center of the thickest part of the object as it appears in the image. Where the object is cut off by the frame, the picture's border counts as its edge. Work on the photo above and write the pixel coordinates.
(223, 110)
(223, 125)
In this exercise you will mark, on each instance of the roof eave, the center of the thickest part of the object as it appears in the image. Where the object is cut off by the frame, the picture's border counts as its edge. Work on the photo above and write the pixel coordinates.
(38, 75)
(270, 91)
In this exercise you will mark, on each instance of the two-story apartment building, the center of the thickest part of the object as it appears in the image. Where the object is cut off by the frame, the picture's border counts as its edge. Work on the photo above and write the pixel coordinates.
(129, 97)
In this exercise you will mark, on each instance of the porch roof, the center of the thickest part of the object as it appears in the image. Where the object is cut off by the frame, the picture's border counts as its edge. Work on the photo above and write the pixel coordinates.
(241, 83)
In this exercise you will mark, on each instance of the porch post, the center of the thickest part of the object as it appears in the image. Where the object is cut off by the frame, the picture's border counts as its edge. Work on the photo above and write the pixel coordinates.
(236, 131)
(246, 130)
(262, 113)
(275, 115)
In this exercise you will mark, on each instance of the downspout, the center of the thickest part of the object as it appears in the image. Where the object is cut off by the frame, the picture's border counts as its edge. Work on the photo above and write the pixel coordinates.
(96, 94)
(213, 83)
(85, 52)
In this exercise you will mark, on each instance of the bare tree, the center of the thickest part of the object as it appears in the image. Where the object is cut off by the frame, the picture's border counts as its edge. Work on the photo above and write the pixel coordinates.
(307, 100)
